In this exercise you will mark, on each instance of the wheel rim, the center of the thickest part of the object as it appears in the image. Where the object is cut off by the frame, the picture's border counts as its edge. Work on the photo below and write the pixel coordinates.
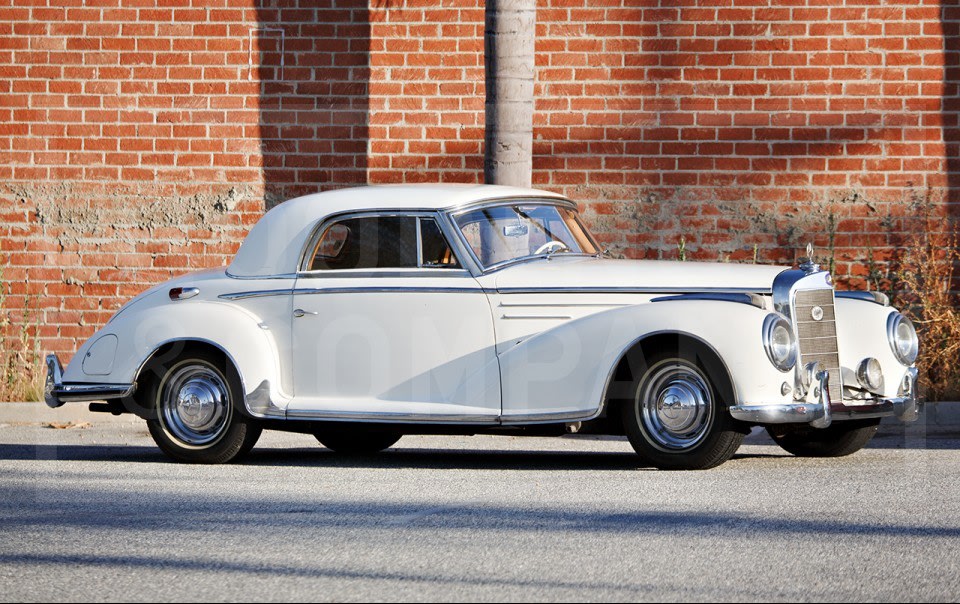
(675, 407)
(195, 405)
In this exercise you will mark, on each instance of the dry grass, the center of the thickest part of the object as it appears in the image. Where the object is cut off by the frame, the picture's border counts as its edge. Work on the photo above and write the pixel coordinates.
(21, 362)
(926, 294)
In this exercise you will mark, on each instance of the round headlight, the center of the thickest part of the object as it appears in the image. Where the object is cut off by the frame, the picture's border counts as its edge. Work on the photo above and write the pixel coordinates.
(903, 338)
(779, 342)
(870, 375)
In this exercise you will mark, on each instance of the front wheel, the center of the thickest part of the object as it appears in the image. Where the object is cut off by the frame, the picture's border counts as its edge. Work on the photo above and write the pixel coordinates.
(840, 439)
(196, 419)
(676, 419)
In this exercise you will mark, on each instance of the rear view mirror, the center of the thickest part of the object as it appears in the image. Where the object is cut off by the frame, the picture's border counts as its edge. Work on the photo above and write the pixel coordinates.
(515, 230)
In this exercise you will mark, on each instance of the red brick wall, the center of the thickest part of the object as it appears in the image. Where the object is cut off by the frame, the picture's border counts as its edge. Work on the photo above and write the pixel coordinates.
(139, 140)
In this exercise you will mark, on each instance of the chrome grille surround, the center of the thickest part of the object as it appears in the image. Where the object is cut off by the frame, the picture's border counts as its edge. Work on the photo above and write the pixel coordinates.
(818, 339)
(795, 294)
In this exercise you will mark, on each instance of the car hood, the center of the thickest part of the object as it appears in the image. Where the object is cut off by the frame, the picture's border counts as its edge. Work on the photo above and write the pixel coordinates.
(580, 273)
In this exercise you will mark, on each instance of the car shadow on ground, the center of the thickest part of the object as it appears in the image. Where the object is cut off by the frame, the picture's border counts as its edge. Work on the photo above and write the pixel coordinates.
(399, 458)
(915, 440)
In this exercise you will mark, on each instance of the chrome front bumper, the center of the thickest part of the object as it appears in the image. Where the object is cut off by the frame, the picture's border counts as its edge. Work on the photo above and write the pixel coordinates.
(56, 393)
(821, 412)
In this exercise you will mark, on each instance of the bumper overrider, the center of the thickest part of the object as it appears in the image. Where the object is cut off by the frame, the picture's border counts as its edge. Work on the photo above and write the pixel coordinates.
(820, 412)
(56, 393)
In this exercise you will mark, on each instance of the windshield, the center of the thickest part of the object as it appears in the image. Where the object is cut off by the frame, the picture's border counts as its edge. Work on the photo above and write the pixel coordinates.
(508, 232)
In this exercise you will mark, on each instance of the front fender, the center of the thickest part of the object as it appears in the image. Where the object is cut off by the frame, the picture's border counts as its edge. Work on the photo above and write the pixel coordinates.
(144, 328)
(566, 370)
(862, 333)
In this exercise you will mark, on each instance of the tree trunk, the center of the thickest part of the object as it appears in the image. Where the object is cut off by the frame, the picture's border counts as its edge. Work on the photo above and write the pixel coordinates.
(508, 51)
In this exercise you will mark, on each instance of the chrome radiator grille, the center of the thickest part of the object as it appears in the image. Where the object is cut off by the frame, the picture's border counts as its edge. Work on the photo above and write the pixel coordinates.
(818, 339)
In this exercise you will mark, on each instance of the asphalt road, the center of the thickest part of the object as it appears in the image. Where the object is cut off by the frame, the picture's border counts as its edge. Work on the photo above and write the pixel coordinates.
(98, 513)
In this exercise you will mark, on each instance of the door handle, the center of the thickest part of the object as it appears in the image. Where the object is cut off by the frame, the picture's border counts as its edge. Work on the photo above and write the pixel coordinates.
(300, 312)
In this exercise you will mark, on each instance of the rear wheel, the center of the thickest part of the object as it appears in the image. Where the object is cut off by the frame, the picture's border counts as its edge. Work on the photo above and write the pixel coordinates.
(349, 440)
(195, 416)
(676, 419)
(840, 439)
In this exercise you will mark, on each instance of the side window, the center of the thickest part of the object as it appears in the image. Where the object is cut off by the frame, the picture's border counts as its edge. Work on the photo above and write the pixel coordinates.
(368, 242)
(437, 253)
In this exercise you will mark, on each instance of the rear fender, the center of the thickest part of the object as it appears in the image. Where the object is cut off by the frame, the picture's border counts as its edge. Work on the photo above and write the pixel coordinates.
(143, 330)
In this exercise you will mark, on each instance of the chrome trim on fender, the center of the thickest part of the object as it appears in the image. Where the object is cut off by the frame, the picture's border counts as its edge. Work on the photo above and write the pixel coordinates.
(554, 317)
(630, 346)
(258, 277)
(415, 289)
(627, 290)
(875, 297)
(388, 290)
(742, 298)
(387, 273)
(256, 294)
(391, 418)
(561, 305)
(351, 290)
(551, 418)
(259, 396)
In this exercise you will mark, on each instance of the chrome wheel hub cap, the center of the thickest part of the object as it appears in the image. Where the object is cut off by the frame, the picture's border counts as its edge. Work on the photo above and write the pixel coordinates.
(195, 405)
(675, 407)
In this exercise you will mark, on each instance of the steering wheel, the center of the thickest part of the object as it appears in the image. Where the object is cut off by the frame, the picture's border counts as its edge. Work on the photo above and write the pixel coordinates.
(550, 247)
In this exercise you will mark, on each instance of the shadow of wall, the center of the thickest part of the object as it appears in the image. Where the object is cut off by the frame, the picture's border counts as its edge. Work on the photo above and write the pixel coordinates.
(746, 128)
(314, 71)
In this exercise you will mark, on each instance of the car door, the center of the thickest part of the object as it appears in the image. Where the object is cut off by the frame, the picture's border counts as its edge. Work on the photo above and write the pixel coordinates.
(388, 325)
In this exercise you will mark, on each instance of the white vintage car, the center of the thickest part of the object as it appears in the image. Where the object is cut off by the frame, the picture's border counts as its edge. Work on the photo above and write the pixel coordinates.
(361, 315)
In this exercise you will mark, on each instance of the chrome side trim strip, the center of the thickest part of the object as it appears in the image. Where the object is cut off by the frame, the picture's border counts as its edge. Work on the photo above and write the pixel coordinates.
(555, 317)
(258, 277)
(465, 290)
(560, 305)
(522, 259)
(388, 290)
(256, 294)
(550, 418)
(387, 273)
(741, 298)
(627, 290)
(391, 418)
(350, 290)
(875, 297)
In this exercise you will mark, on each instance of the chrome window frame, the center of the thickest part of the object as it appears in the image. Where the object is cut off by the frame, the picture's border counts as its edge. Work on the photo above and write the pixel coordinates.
(513, 201)
(381, 272)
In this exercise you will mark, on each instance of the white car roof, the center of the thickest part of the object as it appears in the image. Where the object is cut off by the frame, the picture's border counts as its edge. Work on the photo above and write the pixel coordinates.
(275, 243)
